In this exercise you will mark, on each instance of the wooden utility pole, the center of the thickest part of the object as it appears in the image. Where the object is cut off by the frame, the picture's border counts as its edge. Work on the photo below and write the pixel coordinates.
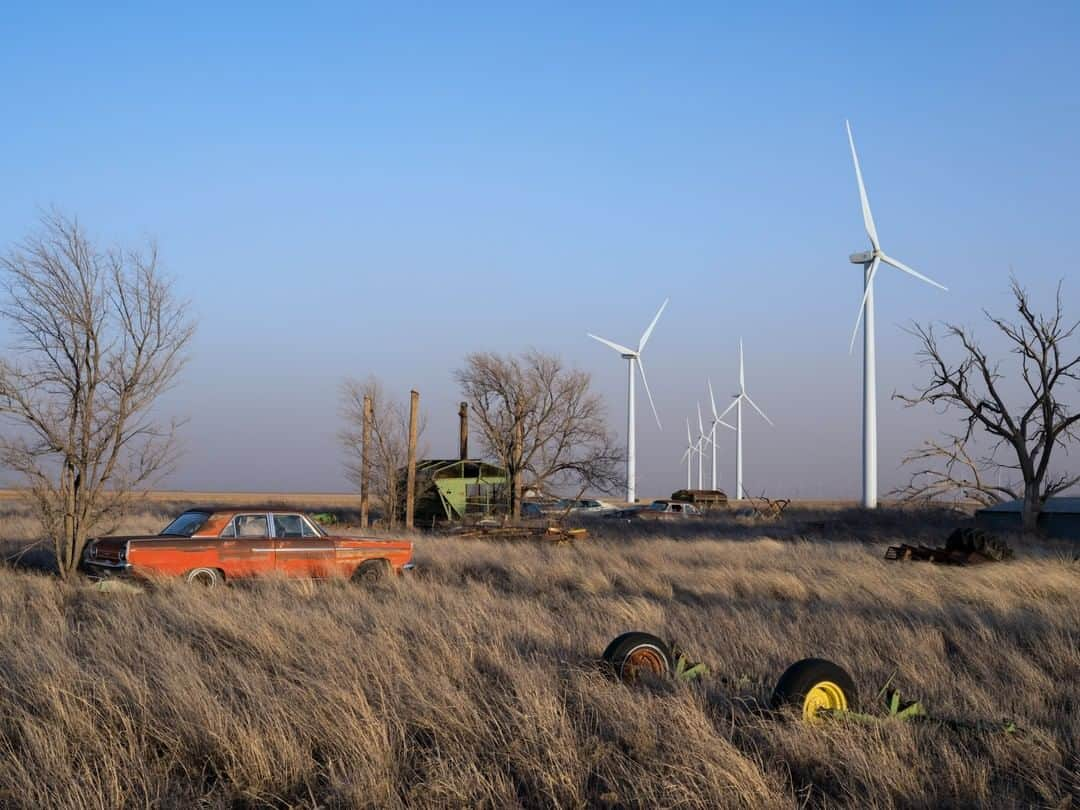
(410, 475)
(463, 431)
(365, 462)
(515, 474)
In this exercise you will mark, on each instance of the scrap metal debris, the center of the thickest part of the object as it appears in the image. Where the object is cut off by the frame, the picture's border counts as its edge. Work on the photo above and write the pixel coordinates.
(965, 546)
(552, 534)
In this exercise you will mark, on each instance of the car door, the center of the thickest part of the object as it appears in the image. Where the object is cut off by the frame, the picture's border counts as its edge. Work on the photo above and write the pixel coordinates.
(246, 547)
(300, 549)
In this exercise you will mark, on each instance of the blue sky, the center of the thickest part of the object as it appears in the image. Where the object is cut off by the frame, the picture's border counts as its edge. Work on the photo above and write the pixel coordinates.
(357, 189)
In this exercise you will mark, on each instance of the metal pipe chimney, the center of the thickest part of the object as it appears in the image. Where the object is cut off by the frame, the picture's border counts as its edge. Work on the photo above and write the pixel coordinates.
(463, 431)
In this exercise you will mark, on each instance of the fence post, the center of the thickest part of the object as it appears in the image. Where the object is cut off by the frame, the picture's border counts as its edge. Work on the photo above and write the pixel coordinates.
(410, 475)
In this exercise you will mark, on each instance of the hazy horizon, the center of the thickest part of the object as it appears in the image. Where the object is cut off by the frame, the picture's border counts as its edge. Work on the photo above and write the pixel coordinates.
(346, 192)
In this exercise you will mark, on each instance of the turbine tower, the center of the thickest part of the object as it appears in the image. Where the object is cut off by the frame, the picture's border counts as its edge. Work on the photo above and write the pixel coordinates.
(688, 456)
(633, 358)
(870, 261)
(703, 439)
(741, 397)
(716, 422)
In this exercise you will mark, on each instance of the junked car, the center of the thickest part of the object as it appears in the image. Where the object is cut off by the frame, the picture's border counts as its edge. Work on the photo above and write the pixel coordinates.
(660, 509)
(586, 505)
(212, 546)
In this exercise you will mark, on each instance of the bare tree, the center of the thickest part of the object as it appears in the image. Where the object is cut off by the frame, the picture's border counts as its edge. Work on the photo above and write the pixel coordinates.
(975, 385)
(389, 442)
(540, 420)
(98, 336)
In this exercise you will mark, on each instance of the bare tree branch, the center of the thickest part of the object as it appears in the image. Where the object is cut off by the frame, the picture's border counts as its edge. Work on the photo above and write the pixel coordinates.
(98, 336)
(541, 421)
(389, 442)
(974, 386)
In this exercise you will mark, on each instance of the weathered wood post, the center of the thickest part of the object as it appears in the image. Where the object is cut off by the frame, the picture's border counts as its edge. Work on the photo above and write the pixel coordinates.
(463, 431)
(410, 474)
(365, 462)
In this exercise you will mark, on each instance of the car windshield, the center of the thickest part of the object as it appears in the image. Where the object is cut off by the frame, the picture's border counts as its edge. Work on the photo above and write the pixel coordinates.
(658, 506)
(187, 524)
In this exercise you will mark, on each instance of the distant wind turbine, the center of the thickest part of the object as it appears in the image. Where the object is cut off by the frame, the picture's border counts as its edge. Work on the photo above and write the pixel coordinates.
(633, 357)
(716, 422)
(688, 456)
(703, 439)
(871, 260)
(741, 397)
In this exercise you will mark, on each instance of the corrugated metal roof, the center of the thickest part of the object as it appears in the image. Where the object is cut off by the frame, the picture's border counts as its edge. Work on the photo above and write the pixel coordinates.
(1066, 506)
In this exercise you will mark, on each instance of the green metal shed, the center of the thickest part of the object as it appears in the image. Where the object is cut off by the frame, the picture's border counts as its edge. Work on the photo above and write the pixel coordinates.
(451, 489)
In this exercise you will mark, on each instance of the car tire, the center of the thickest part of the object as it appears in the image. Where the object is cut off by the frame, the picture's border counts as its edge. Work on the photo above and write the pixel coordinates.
(635, 653)
(206, 577)
(372, 572)
(812, 685)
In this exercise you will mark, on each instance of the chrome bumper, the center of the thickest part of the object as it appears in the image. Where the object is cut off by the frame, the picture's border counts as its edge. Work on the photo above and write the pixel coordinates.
(409, 566)
(115, 567)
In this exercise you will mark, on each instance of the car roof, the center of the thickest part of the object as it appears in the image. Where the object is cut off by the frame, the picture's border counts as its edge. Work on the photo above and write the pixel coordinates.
(238, 510)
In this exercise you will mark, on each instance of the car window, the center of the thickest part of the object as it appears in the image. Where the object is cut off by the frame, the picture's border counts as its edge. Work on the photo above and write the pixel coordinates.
(676, 507)
(288, 526)
(247, 526)
(309, 529)
(657, 506)
(187, 524)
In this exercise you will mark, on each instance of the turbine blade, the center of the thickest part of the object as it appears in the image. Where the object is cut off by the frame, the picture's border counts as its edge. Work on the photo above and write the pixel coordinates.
(868, 218)
(616, 346)
(700, 424)
(727, 410)
(862, 306)
(689, 438)
(645, 382)
(725, 424)
(742, 373)
(712, 402)
(899, 265)
(645, 335)
(761, 413)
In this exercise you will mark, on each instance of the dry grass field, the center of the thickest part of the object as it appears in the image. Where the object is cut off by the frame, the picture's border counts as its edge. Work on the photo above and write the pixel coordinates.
(473, 682)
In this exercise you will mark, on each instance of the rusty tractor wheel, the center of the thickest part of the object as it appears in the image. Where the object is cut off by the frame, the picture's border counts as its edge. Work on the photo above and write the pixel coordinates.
(635, 653)
(372, 572)
(206, 577)
(815, 688)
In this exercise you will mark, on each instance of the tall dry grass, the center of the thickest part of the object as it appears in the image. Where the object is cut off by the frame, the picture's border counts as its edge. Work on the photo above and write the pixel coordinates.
(472, 683)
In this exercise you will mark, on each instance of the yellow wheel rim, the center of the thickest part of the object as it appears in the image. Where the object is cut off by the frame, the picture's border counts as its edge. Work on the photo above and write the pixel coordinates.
(823, 696)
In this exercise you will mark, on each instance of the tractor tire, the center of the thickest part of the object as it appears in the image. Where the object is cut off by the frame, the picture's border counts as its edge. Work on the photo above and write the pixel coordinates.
(635, 653)
(812, 685)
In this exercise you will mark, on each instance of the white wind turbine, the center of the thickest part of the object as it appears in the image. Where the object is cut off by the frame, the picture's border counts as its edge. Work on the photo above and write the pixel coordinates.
(703, 440)
(633, 357)
(871, 260)
(688, 456)
(716, 422)
(740, 397)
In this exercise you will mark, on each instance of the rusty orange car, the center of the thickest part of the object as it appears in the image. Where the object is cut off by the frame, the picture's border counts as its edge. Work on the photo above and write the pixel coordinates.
(212, 546)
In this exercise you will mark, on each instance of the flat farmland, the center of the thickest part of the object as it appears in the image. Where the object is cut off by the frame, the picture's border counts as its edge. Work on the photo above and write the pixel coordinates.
(473, 683)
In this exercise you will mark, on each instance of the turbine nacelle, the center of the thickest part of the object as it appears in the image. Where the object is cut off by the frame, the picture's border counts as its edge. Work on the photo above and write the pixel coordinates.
(865, 257)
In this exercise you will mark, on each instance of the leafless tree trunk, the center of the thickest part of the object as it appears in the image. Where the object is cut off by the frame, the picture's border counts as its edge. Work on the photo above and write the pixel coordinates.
(389, 439)
(98, 337)
(975, 385)
(540, 420)
(365, 460)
